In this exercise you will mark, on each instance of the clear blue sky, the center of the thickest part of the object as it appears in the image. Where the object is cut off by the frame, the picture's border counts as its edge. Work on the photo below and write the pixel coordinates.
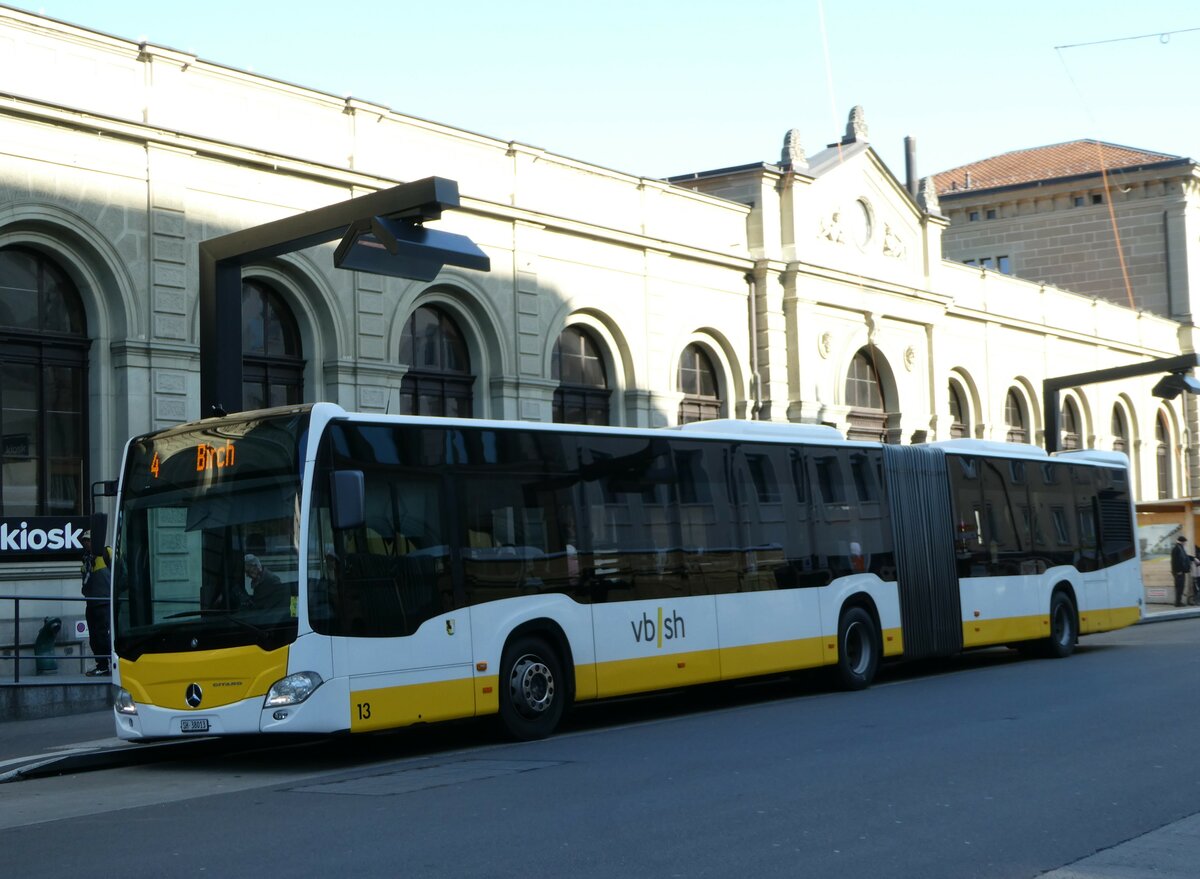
(667, 88)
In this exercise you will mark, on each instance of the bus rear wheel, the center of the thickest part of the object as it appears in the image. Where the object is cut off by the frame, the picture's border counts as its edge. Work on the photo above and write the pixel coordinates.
(1064, 627)
(532, 689)
(858, 649)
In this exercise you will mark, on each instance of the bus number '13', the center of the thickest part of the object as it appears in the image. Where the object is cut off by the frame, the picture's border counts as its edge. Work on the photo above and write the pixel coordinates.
(364, 710)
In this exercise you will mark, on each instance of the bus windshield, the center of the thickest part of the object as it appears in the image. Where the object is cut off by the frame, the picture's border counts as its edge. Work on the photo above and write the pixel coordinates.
(207, 541)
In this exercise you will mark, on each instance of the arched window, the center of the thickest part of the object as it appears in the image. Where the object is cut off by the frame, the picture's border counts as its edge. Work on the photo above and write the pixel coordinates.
(864, 396)
(1070, 425)
(43, 388)
(272, 360)
(439, 379)
(582, 394)
(1162, 454)
(1120, 432)
(960, 425)
(1014, 417)
(698, 382)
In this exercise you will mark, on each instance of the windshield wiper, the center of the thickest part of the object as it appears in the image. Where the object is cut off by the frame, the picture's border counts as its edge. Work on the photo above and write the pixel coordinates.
(262, 633)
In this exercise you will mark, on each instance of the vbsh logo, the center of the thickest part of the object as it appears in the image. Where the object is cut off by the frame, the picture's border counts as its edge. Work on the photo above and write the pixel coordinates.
(658, 630)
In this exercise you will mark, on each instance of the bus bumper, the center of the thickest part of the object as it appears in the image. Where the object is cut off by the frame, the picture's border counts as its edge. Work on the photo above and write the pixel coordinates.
(326, 710)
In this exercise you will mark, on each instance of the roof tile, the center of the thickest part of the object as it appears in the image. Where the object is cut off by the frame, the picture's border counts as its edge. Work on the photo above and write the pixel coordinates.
(1044, 163)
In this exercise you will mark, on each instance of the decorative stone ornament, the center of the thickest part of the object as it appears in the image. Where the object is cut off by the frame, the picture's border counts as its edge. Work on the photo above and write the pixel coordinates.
(793, 151)
(825, 344)
(910, 358)
(856, 126)
(927, 196)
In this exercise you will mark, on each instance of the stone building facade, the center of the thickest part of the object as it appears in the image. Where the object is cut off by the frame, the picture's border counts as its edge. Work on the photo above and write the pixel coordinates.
(812, 289)
(1055, 214)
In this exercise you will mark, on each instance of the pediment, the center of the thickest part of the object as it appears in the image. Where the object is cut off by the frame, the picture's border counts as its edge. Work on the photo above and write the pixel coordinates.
(855, 215)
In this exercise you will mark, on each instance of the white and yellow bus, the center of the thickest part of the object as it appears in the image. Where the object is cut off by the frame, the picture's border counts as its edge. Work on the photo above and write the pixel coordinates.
(422, 569)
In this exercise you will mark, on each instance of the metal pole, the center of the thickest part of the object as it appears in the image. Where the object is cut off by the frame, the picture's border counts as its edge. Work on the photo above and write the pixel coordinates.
(17, 641)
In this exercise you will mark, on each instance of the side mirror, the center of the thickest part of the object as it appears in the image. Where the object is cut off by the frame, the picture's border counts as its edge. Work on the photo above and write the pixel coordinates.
(98, 525)
(347, 498)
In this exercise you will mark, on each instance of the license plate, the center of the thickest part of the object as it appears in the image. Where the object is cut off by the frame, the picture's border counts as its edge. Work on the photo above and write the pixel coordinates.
(200, 725)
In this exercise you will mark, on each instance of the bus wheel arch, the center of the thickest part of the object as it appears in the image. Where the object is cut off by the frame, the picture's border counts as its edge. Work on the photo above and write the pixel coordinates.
(859, 644)
(537, 680)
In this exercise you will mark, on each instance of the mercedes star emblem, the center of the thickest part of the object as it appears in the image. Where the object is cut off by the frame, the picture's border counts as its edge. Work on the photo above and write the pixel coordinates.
(194, 695)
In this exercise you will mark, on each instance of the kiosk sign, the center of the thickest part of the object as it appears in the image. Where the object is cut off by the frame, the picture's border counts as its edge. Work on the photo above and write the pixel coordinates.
(26, 537)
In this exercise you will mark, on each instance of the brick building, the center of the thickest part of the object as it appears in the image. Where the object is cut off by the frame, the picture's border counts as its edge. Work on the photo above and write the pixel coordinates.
(1054, 214)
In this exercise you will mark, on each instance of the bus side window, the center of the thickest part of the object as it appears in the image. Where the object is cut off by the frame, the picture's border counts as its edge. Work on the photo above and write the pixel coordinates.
(967, 491)
(1002, 503)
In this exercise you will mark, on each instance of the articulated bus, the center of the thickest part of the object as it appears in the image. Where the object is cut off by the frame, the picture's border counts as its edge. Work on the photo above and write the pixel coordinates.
(307, 570)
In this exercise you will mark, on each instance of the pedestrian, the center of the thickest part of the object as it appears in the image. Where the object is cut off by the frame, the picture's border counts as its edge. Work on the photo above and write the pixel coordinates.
(97, 583)
(1194, 599)
(1181, 565)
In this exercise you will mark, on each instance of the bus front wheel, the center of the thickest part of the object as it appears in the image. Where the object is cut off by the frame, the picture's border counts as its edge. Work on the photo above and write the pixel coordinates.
(532, 689)
(858, 649)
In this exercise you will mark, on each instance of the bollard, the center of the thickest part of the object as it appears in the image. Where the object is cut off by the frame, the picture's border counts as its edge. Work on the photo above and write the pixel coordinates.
(43, 647)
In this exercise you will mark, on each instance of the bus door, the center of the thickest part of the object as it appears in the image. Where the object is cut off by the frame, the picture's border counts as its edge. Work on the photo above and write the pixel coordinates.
(402, 637)
(1094, 602)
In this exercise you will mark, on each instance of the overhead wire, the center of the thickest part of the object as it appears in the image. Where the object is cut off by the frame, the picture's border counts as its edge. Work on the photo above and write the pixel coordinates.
(1164, 37)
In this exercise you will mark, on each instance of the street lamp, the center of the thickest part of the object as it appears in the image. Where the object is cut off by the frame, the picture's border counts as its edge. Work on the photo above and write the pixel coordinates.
(1177, 380)
(382, 233)
(1173, 384)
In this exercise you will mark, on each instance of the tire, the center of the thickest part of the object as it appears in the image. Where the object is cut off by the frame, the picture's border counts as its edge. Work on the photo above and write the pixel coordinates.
(1064, 627)
(858, 649)
(533, 691)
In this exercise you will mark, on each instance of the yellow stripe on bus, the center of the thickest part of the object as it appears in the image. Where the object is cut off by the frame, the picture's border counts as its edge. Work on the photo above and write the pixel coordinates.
(979, 633)
(388, 707)
(659, 672)
(225, 676)
(1120, 617)
(1008, 630)
(772, 658)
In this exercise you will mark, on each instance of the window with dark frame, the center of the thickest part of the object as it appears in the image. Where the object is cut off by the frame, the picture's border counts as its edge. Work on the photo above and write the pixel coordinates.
(697, 379)
(1162, 454)
(864, 395)
(1014, 417)
(959, 425)
(439, 380)
(582, 396)
(272, 358)
(1070, 426)
(1119, 431)
(43, 388)
(1001, 264)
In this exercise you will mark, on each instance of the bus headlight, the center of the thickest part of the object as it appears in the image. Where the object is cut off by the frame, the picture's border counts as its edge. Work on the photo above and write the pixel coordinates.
(293, 689)
(123, 702)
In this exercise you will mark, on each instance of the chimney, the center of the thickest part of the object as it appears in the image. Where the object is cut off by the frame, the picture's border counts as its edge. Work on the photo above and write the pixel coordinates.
(910, 165)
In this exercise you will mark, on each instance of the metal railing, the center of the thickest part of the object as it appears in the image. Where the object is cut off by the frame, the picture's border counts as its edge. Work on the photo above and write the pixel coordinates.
(16, 654)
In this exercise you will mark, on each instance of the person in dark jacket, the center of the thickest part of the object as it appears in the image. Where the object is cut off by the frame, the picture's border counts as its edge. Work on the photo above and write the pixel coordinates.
(97, 585)
(1181, 564)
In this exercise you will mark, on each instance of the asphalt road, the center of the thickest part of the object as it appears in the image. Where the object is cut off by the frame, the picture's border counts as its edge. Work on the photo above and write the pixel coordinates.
(985, 766)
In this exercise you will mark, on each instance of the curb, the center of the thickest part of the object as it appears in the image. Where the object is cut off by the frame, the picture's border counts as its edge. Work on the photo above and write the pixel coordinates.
(1165, 616)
